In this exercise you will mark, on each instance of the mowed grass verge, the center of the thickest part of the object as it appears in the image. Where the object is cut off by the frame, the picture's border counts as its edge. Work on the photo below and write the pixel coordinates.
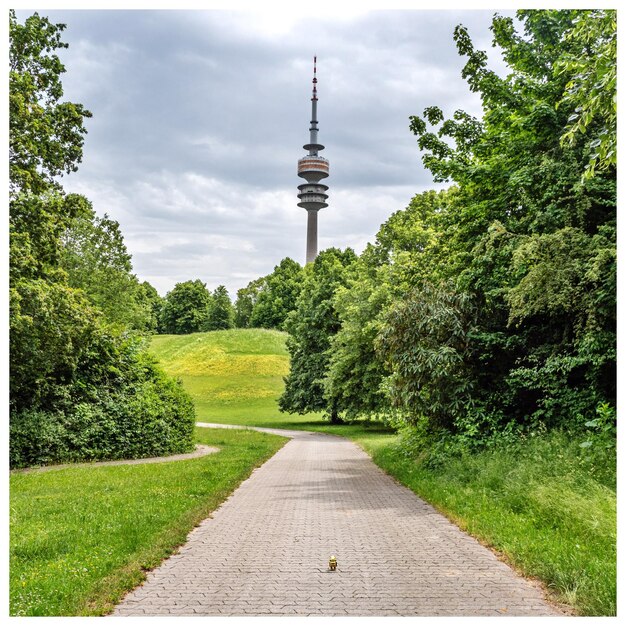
(536, 505)
(82, 537)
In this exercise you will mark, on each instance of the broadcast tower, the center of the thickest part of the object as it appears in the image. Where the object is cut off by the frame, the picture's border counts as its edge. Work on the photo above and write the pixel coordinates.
(312, 168)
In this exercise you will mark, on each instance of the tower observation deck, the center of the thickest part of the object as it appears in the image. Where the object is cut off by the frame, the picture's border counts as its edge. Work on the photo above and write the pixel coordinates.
(313, 168)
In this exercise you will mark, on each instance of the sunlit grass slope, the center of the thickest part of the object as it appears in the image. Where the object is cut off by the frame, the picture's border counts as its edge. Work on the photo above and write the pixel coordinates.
(234, 376)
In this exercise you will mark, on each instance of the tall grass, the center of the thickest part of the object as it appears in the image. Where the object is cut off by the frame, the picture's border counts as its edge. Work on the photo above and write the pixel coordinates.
(535, 503)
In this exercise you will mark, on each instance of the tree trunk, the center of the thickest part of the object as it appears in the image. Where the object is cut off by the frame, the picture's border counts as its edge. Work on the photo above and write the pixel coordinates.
(334, 417)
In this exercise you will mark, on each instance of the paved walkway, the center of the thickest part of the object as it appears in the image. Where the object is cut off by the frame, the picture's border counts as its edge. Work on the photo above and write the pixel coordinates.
(266, 549)
(200, 450)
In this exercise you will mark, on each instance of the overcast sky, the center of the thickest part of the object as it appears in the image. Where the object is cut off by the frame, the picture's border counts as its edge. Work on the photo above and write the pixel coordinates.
(199, 118)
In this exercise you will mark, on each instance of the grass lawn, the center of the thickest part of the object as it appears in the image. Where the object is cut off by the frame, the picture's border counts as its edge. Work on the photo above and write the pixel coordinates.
(81, 537)
(233, 376)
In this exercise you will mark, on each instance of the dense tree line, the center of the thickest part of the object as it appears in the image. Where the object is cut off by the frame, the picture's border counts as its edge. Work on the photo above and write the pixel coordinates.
(478, 312)
(82, 385)
(311, 326)
(488, 307)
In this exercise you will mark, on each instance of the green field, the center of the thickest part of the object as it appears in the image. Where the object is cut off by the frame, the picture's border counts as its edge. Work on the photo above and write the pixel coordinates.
(81, 537)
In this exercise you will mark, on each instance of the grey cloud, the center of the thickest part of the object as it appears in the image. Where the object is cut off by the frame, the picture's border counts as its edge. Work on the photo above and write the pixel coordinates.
(199, 119)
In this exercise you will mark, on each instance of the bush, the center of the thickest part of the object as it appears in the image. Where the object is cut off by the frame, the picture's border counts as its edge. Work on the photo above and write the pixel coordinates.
(149, 416)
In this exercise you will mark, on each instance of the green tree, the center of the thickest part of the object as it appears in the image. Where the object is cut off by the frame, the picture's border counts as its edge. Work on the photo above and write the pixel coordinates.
(311, 326)
(45, 134)
(121, 405)
(186, 308)
(525, 214)
(246, 300)
(151, 301)
(426, 341)
(53, 334)
(278, 296)
(51, 325)
(591, 65)
(96, 260)
(408, 250)
(221, 311)
(78, 390)
(354, 374)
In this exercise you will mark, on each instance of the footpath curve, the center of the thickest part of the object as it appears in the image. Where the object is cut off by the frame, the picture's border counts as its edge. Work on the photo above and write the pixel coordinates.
(200, 450)
(265, 551)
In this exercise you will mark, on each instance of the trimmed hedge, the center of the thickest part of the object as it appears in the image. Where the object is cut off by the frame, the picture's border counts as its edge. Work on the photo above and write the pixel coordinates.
(148, 414)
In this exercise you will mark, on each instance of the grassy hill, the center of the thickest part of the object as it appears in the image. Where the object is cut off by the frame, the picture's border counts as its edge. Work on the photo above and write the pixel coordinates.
(234, 376)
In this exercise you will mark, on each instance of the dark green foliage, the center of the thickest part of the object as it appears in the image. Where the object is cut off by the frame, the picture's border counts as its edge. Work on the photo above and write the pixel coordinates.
(221, 314)
(133, 413)
(80, 387)
(266, 301)
(36, 227)
(246, 300)
(311, 327)
(53, 331)
(186, 308)
(534, 239)
(493, 303)
(278, 295)
(426, 341)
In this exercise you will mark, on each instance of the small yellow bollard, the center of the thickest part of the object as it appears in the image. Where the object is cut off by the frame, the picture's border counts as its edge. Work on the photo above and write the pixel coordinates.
(332, 563)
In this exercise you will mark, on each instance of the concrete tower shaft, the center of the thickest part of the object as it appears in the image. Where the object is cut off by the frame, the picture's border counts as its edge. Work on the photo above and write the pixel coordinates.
(313, 168)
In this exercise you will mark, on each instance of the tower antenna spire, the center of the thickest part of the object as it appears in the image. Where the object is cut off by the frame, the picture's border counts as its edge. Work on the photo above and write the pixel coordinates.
(313, 168)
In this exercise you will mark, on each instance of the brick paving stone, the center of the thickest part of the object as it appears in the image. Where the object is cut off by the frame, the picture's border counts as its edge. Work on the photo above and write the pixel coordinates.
(265, 551)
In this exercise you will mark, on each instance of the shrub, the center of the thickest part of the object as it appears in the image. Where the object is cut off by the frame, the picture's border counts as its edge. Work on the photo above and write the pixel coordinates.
(150, 415)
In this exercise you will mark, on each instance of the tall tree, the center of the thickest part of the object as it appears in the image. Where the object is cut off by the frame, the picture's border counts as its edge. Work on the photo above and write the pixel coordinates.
(278, 296)
(221, 311)
(405, 253)
(77, 390)
(534, 240)
(311, 326)
(151, 301)
(246, 300)
(96, 260)
(45, 134)
(52, 326)
(426, 342)
(186, 308)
